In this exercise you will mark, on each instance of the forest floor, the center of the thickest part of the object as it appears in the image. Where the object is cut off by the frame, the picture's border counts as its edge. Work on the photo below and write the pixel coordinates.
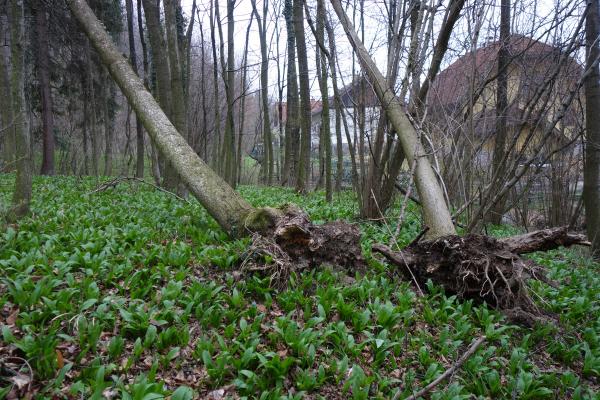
(131, 293)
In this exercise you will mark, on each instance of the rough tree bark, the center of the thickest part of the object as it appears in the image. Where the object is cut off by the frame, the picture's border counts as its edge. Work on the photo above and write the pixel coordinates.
(436, 214)
(158, 51)
(216, 145)
(591, 184)
(179, 113)
(6, 109)
(325, 122)
(22, 193)
(292, 127)
(303, 172)
(139, 130)
(45, 91)
(228, 150)
(267, 163)
(108, 93)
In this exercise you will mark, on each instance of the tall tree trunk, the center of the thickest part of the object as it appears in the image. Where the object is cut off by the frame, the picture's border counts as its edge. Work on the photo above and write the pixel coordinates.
(303, 172)
(154, 161)
(591, 179)
(292, 127)
(435, 210)
(139, 130)
(108, 93)
(85, 124)
(267, 163)
(158, 50)
(222, 202)
(43, 69)
(92, 116)
(22, 194)
(228, 151)
(6, 108)
(242, 109)
(179, 115)
(338, 107)
(216, 145)
(325, 121)
(498, 162)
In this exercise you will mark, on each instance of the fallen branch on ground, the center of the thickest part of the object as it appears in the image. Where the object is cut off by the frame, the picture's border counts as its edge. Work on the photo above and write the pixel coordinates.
(450, 371)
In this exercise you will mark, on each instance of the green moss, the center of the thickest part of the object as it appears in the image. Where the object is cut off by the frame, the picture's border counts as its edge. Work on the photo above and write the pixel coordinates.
(262, 219)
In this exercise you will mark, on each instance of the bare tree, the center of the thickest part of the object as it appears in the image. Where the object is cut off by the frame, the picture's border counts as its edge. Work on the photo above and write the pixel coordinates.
(292, 124)
(22, 194)
(41, 22)
(139, 130)
(303, 172)
(267, 162)
(591, 190)
(436, 213)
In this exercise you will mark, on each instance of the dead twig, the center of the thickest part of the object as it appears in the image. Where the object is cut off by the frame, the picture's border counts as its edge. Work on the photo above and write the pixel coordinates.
(450, 371)
(114, 182)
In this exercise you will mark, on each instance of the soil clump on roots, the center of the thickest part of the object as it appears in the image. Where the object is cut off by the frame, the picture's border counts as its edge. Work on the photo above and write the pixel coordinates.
(476, 267)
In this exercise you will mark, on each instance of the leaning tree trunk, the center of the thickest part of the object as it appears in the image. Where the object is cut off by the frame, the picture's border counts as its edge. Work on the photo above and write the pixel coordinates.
(225, 205)
(287, 229)
(436, 213)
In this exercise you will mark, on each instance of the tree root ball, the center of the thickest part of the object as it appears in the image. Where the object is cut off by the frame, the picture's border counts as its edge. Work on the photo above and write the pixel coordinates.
(289, 241)
(474, 267)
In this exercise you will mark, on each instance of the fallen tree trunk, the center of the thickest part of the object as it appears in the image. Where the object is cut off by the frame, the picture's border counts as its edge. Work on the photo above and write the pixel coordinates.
(546, 239)
(483, 268)
(473, 266)
(223, 203)
(286, 227)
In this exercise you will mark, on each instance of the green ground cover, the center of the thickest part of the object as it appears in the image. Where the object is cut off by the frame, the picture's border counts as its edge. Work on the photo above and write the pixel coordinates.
(130, 293)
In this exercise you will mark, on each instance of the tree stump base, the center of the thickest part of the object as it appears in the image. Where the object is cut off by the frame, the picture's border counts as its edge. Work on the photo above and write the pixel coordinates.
(293, 243)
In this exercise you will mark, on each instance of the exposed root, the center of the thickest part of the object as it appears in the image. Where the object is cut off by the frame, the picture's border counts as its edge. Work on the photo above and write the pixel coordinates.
(294, 243)
(265, 257)
(473, 267)
(482, 268)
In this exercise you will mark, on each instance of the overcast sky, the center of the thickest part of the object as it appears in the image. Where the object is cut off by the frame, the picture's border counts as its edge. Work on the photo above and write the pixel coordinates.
(525, 13)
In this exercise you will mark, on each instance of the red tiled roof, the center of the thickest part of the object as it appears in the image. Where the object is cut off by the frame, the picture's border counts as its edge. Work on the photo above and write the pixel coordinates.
(453, 84)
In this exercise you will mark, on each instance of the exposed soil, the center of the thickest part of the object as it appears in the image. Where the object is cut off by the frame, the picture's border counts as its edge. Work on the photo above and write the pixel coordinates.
(484, 268)
(473, 267)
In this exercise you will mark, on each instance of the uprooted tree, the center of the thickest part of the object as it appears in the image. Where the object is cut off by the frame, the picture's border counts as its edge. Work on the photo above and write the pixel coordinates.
(473, 266)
